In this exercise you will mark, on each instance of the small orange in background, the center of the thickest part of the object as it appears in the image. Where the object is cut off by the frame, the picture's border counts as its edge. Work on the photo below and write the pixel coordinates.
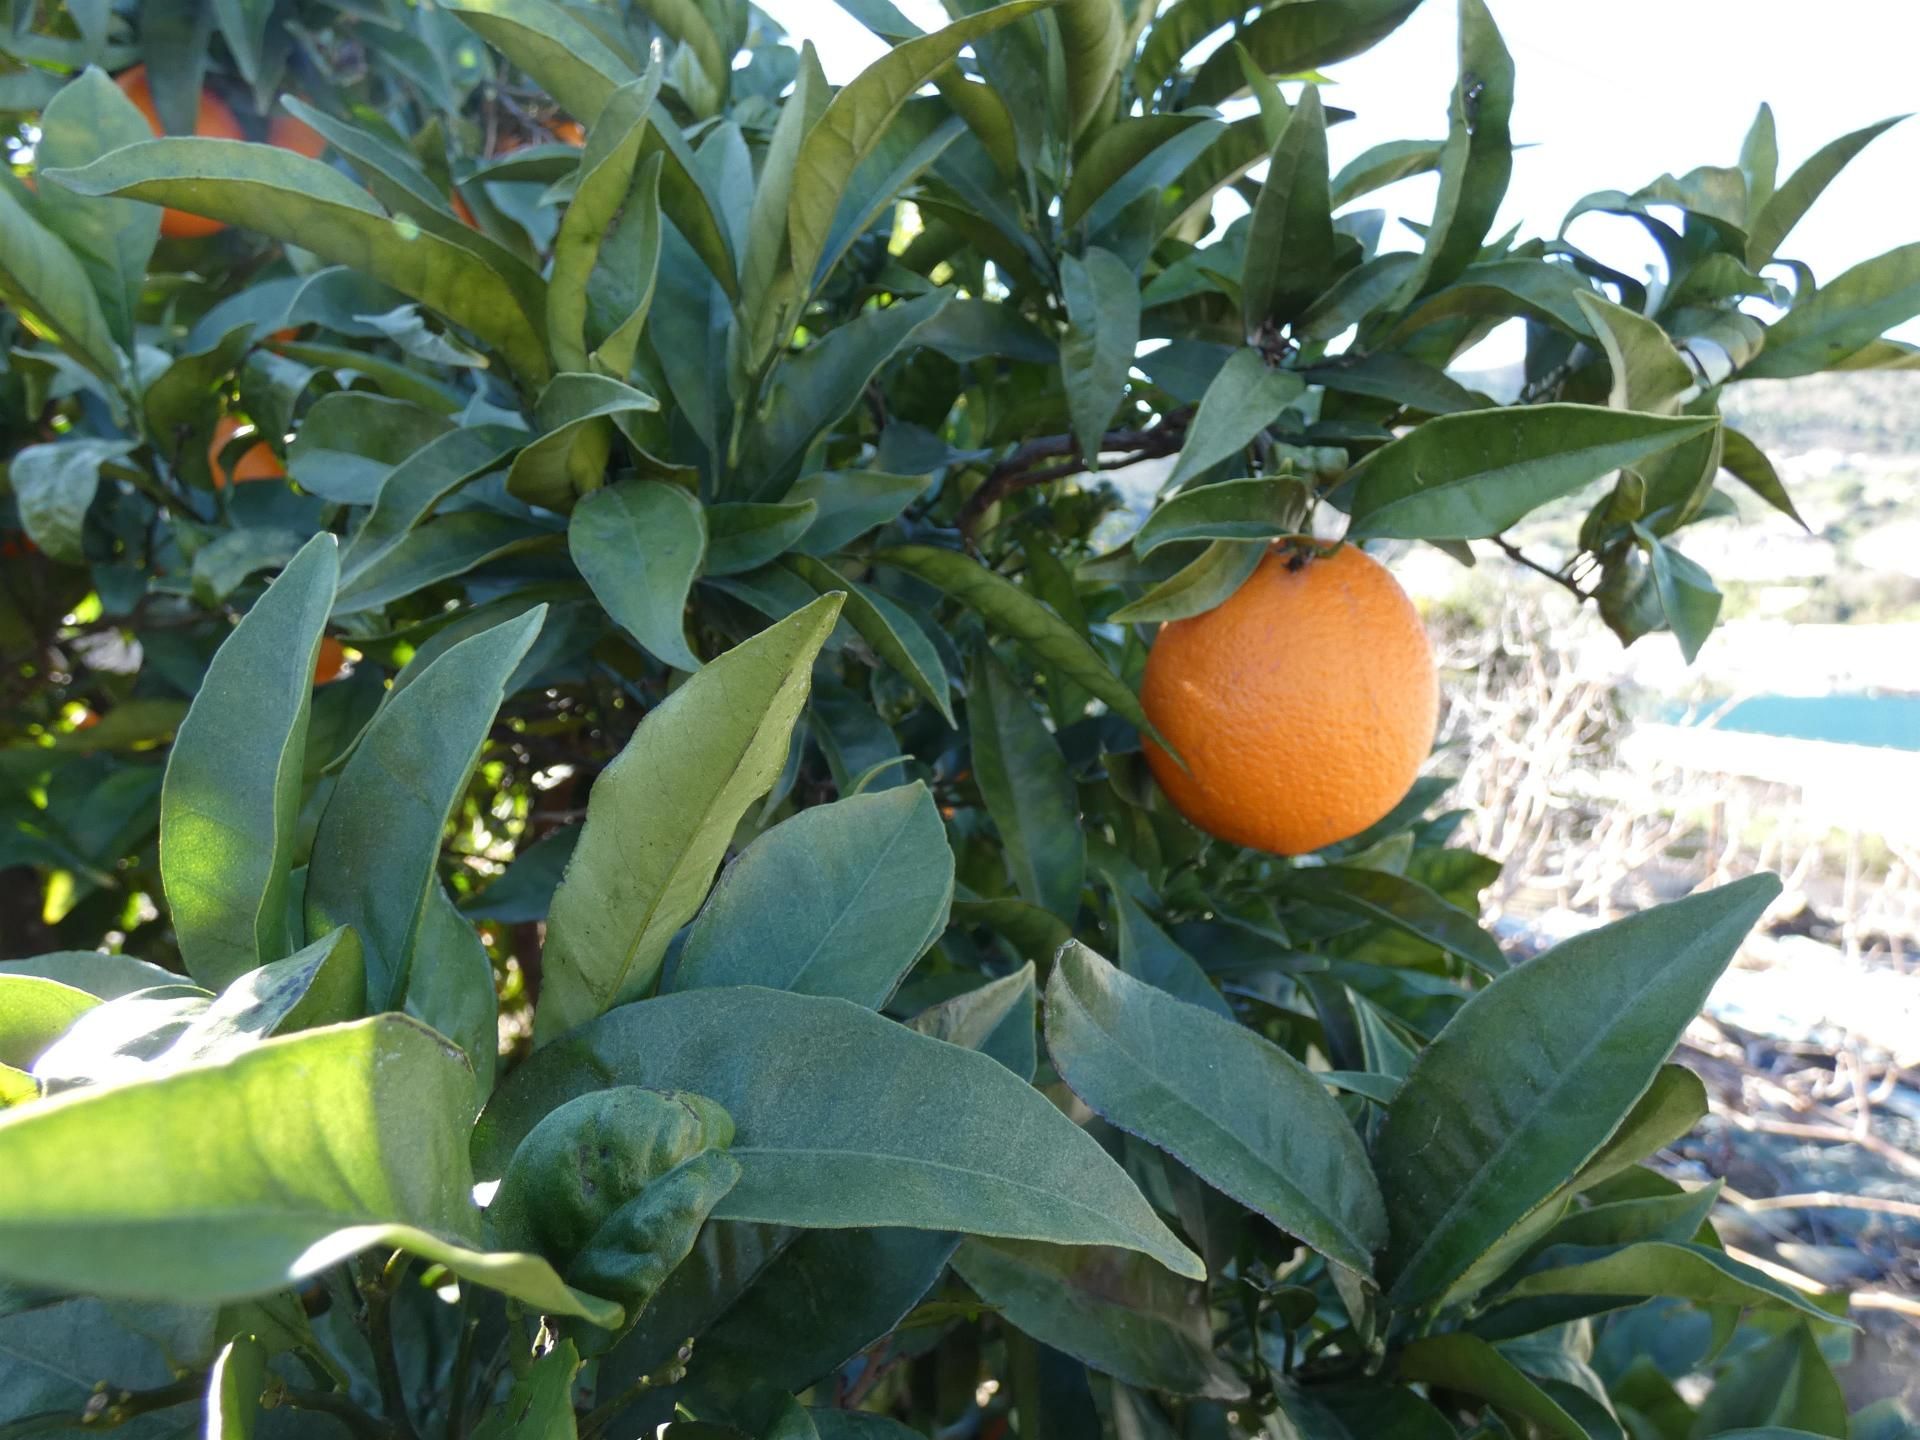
(569, 132)
(331, 661)
(213, 119)
(1304, 705)
(292, 133)
(464, 211)
(85, 719)
(256, 462)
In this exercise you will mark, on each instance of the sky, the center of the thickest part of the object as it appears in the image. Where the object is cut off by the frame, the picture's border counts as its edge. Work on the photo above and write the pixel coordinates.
(1611, 96)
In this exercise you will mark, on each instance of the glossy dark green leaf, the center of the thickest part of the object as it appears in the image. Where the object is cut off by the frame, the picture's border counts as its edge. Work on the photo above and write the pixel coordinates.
(1672, 1106)
(1477, 160)
(1401, 379)
(1292, 38)
(1533, 1074)
(997, 1019)
(1028, 790)
(1748, 464)
(640, 544)
(854, 121)
(54, 487)
(352, 441)
(1054, 644)
(1774, 215)
(1531, 289)
(450, 987)
(1290, 250)
(107, 977)
(205, 1186)
(1698, 1273)
(54, 1353)
(377, 850)
(439, 550)
(747, 536)
(1231, 510)
(1844, 315)
(839, 900)
(112, 239)
(540, 1405)
(825, 1098)
(1208, 580)
(1244, 398)
(1404, 904)
(816, 388)
(577, 412)
(1237, 1110)
(232, 796)
(1114, 1310)
(1148, 953)
(891, 631)
(1471, 475)
(1688, 597)
(1130, 157)
(420, 482)
(40, 276)
(1469, 1364)
(33, 1013)
(606, 175)
(1382, 165)
(307, 203)
(1781, 1388)
(849, 503)
(660, 817)
(1103, 331)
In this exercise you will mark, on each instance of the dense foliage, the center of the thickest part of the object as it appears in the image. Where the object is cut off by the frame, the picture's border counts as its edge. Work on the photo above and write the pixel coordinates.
(718, 488)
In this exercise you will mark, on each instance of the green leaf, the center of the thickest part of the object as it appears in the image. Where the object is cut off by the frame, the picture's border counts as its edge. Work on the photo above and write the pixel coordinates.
(849, 503)
(577, 412)
(1149, 954)
(1468, 1364)
(1405, 905)
(1028, 790)
(222, 567)
(540, 1405)
(1533, 1074)
(661, 815)
(746, 536)
(322, 983)
(1113, 1310)
(1130, 157)
(40, 276)
(1209, 580)
(1649, 375)
(439, 550)
(852, 125)
(1534, 289)
(606, 175)
(1688, 597)
(33, 1013)
(1469, 476)
(1748, 464)
(1782, 1388)
(640, 544)
(1775, 214)
(996, 1019)
(53, 487)
(1672, 1106)
(419, 483)
(112, 239)
(1843, 316)
(892, 633)
(1231, 510)
(1477, 160)
(234, 1386)
(1055, 645)
(106, 977)
(1096, 353)
(1296, 37)
(1243, 399)
(377, 850)
(839, 900)
(232, 795)
(310, 204)
(827, 1101)
(450, 988)
(1382, 165)
(1401, 379)
(1290, 249)
(1760, 161)
(351, 442)
(1698, 1273)
(815, 389)
(1094, 41)
(1237, 1110)
(204, 1185)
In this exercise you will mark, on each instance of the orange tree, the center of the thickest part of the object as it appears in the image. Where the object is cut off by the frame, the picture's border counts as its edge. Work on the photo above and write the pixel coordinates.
(393, 1056)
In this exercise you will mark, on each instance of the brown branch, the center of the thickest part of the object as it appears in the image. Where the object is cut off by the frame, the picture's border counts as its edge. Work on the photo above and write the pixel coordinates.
(1023, 466)
(1515, 554)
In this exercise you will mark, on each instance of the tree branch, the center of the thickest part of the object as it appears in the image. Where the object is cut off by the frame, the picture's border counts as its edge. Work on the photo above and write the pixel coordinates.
(1514, 553)
(1023, 466)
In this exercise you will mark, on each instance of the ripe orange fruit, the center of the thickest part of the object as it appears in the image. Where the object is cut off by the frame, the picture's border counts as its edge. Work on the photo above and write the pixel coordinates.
(256, 462)
(291, 133)
(1303, 706)
(569, 132)
(213, 119)
(330, 662)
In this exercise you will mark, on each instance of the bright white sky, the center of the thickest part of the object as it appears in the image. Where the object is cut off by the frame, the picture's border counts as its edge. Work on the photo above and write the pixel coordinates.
(1610, 97)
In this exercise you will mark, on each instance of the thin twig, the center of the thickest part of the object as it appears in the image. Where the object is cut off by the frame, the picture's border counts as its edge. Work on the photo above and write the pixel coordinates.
(1023, 468)
(1831, 1200)
(376, 1290)
(1514, 553)
(339, 1405)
